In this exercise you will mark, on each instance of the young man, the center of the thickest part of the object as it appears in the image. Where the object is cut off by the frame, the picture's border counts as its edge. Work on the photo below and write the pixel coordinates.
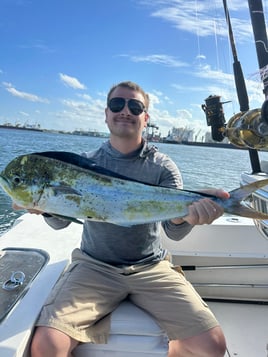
(116, 262)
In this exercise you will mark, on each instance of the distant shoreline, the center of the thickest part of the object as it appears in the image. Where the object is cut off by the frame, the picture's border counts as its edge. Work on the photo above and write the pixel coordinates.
(206, 144)
(215, 145)
(81, 133)
(19, 128)
(183, 142)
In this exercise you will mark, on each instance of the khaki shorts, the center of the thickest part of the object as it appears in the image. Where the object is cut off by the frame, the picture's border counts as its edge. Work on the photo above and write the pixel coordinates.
(82, 300)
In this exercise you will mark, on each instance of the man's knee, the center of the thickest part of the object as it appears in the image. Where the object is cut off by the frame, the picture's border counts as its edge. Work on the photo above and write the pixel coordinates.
(38, 342)
(217, 341)
(48, 342)
(210, 343)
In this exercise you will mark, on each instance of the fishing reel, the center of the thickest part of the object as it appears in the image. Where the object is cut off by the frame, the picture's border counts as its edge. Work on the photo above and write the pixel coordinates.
(215, 116)
(249, 129)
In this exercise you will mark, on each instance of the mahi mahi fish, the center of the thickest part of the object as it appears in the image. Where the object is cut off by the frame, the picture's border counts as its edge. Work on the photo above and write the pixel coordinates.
(69, 185)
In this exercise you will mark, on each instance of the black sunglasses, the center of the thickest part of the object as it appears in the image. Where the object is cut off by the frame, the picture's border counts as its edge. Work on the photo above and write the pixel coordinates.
(117, 104)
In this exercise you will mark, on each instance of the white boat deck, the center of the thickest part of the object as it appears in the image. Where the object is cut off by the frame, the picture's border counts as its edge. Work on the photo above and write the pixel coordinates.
(245, 325)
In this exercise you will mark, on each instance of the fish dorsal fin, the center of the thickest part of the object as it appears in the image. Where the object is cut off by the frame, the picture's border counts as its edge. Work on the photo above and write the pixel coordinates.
(88, 164)
(84, 163)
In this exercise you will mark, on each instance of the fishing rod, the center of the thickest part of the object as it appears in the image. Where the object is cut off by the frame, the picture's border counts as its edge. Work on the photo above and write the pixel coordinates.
(259, 123)
(241, 91)
(213, 108)
(238, 73)
(260, 36)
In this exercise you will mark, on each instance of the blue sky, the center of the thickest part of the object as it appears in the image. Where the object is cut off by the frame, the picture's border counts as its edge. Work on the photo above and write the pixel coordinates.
(60, 57)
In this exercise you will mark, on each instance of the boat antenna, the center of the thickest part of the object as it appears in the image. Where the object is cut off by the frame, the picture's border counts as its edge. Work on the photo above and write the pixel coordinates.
(241, 85)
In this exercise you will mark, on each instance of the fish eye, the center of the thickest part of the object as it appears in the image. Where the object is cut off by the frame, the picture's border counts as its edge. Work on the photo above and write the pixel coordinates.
(16, 180)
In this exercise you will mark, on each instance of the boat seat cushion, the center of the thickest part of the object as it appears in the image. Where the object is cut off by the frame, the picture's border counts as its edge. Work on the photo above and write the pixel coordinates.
(133, 333)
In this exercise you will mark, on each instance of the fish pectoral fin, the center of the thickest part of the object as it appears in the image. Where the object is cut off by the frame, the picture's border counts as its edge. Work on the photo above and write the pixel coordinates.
(117, 223)
(64, 190)
(67, 218)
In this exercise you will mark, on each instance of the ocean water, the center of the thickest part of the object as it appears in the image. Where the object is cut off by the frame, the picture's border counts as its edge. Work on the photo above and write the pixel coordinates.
(201, 167)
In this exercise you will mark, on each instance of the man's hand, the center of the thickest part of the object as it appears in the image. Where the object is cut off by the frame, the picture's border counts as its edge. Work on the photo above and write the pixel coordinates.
(30, 210)
(204, 211)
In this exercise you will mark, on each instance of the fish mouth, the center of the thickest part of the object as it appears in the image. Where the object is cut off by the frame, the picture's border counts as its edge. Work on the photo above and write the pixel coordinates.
(4, 183)
(16, 195)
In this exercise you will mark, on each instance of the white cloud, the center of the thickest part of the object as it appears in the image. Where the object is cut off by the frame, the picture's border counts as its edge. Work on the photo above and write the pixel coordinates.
(39, 46)
(201, 57)
(71, 81)
(200, 18)
(84, 96)
(84, 114)
(24, 114)
(218, 82)
(163, 118)
(24, 95)
(161, 59)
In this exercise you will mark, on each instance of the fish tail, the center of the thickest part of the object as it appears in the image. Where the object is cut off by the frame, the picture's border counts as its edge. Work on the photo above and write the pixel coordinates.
(234, 206)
